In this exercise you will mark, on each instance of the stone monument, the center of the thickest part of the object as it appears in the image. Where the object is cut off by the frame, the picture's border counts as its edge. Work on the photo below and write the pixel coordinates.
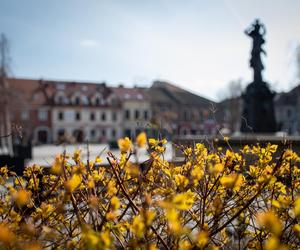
(258, 110)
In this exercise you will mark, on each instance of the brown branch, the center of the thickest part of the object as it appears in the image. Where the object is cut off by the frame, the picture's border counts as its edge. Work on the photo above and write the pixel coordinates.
(132, 203)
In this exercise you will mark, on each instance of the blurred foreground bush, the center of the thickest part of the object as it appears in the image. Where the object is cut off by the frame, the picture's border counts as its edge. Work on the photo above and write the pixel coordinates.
(214, 200)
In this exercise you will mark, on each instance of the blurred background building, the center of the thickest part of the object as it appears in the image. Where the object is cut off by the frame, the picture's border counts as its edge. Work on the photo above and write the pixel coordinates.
(74, 112)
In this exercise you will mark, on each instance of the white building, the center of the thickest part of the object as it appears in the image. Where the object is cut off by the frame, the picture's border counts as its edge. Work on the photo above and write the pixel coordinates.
(136, 110)
(85, 111)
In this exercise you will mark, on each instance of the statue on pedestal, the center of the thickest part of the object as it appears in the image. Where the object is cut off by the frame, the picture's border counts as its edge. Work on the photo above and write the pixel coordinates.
(258, 113)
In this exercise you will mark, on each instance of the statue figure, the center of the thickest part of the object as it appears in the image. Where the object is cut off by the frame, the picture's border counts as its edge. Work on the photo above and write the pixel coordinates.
(258, 108)
(256, 31)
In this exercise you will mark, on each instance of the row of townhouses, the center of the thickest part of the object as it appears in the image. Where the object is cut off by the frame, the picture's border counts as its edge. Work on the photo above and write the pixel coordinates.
(43, 111)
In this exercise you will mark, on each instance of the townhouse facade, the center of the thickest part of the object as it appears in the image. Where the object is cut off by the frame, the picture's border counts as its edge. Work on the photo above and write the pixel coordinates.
(85, 111)
(180, 112)
(136, 110)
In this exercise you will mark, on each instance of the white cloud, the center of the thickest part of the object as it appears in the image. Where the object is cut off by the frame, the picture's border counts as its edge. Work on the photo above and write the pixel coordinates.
(88, 43)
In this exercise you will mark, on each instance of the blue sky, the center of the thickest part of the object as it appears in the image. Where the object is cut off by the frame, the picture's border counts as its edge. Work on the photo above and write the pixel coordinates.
(198, 45)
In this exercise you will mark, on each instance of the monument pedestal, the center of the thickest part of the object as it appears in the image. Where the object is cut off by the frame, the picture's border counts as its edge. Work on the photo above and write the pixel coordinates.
(258, 111)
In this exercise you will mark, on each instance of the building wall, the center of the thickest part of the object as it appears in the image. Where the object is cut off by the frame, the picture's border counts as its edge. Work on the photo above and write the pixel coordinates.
(136, 116)
(96, 124)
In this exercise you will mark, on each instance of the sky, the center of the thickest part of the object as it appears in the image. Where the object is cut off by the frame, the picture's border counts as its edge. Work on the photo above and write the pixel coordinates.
(198, 45)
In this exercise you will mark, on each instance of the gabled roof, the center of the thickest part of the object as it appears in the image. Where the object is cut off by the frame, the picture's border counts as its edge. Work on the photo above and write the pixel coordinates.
(27, 91)
(179, 95)
(39, 92)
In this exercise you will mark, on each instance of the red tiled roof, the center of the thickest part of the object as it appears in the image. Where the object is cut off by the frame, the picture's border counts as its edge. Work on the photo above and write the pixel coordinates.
(26, 91)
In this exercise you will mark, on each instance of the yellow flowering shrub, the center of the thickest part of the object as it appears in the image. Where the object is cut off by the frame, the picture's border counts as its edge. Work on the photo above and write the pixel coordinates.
(215, 199)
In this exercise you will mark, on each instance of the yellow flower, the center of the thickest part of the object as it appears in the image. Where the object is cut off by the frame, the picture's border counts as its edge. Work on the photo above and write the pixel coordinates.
(91, 239)
(273, 148)
(185, 245)
(270, 221)
(152, 142)
(188, 151)
(149, 217)
(297, 206)
(275, 203)
(106, 239)
(111, 188)
(202, 239)
(110, 216)
(181, 180)
(274, 244)
(114, 203)
(253, 171)
(73, 183)
(6, 235)
(173, 220)
(4, 170)
(21, 197)
(56, 167)
(98, 160)
(152, 247)
(197, 173)
(232, 180)
(184, 201)
(141, 140)
(297, 229)
(138, 226)
(125, 144)
(90, 183)
(77, 155)
(218, 168)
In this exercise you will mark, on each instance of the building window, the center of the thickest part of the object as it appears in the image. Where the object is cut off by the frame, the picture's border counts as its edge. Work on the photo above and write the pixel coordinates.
(97, 101)
(137, 114)
(69, 115)
(114, 116)
(138, 131)
(43, 115)
(60, 115)
(146, 115)
(103, 132)
(60, 100)
(127, 114)
(25, 115)
(185, 115)
(103, 116)
(289, 113)
(200, 116)
(127, 132)
(93, 133)
(85, 100)
(113, 133)
(77, 116)
(77, 100)
(60, 133)
(92, 116)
